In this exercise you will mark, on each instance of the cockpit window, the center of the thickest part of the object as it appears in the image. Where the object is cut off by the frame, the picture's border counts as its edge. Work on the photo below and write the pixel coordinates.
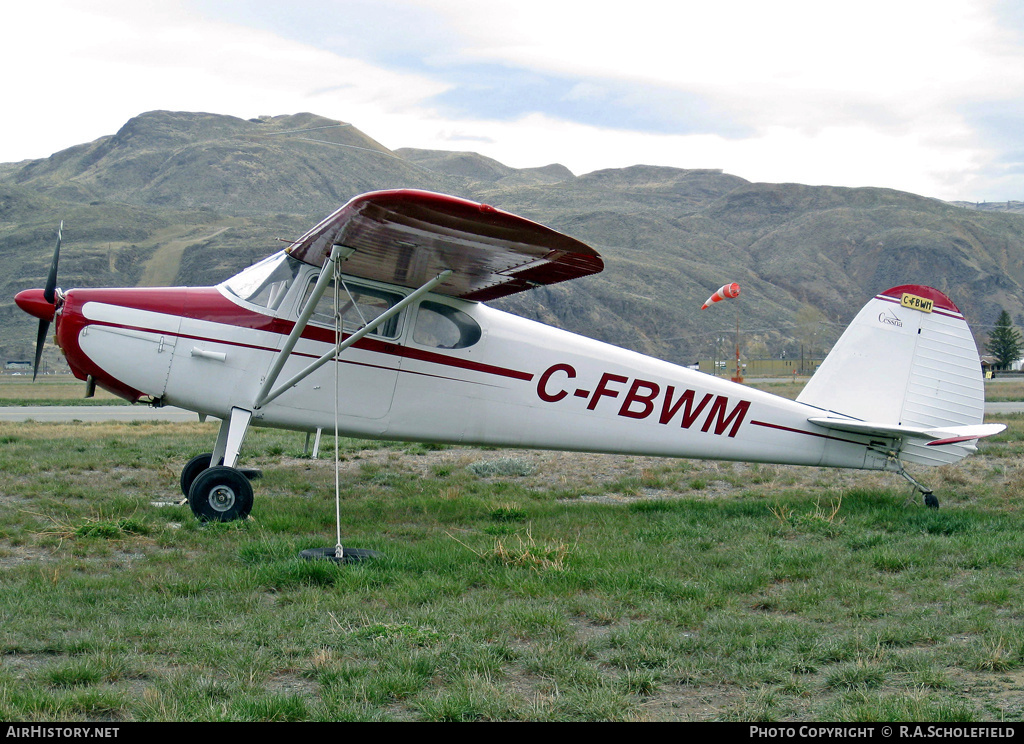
(265, 283)
(444, 327)
(357, 307)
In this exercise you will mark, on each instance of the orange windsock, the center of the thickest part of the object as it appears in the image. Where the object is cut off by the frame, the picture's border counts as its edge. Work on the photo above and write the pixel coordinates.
(726, 291)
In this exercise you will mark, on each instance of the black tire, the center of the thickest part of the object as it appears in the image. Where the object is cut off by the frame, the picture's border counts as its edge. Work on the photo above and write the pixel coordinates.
(351, 555)
(192, 468)
(220, 494)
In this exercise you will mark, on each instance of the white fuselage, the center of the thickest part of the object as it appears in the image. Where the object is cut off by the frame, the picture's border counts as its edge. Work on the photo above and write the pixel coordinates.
(488, 378)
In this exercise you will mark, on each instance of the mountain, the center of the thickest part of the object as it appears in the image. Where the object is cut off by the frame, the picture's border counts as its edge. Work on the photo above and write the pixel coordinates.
(190, 198)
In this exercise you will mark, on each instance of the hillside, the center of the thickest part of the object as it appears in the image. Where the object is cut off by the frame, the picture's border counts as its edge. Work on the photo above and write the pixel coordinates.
(190, 198)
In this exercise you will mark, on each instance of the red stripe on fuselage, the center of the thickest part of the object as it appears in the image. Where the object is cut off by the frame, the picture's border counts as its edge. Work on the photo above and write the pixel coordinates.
(801, 431)
(208, 304)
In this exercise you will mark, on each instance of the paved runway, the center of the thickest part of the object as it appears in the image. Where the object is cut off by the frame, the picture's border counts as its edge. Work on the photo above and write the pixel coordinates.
(169, 413)
(95, 413)
(1012, 406)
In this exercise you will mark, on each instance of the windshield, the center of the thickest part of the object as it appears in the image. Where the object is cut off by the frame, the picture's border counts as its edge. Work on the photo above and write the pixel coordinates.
(265, 283)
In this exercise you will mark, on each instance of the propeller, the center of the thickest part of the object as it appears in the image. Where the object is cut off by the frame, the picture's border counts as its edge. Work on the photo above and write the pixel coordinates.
(50, 295)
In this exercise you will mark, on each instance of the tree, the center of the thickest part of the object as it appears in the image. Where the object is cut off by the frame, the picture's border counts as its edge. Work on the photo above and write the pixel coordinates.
(1004, 343)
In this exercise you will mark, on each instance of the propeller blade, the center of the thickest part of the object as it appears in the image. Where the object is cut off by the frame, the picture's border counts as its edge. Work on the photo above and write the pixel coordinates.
(50, 295)
(44, 326)
(50, 291)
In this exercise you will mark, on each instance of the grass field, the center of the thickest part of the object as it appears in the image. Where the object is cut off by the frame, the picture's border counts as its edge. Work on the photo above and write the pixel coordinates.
(50, 390)
(512, 586)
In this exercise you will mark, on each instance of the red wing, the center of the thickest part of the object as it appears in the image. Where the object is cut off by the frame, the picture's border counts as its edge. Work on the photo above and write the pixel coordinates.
(408, 237)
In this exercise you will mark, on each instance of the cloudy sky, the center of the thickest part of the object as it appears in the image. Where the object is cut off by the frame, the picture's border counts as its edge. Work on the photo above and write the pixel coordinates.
(920, 95)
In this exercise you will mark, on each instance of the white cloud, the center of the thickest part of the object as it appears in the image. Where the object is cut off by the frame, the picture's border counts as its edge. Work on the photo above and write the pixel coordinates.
(869, 93)
(877, 93)
(795, 51)
(101, 64)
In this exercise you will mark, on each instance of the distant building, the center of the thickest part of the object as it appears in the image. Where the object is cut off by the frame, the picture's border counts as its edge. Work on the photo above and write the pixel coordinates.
(18, 366)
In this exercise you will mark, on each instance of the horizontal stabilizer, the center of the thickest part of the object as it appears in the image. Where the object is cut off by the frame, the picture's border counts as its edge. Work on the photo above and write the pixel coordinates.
(934, 436)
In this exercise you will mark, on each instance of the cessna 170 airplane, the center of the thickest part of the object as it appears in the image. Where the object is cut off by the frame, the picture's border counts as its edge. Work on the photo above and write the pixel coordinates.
(388, 292)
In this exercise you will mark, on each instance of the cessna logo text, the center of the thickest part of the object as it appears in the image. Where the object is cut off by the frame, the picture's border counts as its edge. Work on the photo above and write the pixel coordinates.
(889, 319)
(641, 399)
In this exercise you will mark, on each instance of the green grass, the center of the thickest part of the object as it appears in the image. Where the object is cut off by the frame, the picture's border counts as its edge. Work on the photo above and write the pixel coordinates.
(51, 390)
(543, 594)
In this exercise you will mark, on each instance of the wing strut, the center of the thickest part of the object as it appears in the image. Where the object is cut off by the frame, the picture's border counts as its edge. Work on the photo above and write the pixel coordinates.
(338, 253)
(268, 392)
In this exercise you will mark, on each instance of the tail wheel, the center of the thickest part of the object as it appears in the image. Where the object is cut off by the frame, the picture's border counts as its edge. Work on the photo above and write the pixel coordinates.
(220, 494)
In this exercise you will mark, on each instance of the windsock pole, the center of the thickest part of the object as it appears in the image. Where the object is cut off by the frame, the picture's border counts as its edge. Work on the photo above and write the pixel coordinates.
(729, 291)
(739, 373)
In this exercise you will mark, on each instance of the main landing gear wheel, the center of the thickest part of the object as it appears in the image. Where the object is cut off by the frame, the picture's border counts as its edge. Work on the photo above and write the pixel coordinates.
(199, 463)
(220, 494)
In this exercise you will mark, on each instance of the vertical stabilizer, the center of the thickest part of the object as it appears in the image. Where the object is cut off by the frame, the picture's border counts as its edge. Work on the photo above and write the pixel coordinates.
(907, 359)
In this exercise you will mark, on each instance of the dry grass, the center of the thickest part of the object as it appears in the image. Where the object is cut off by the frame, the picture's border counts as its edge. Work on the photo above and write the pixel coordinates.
(17, 390)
